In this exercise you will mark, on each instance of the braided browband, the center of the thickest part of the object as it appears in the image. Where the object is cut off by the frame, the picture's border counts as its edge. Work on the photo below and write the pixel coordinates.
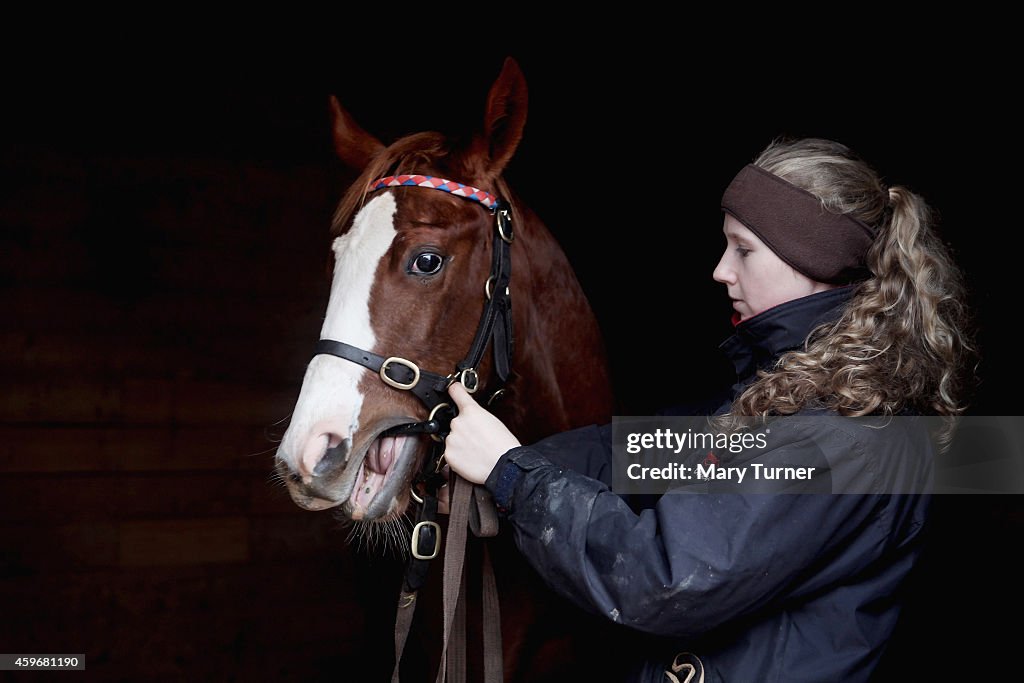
(487, 199)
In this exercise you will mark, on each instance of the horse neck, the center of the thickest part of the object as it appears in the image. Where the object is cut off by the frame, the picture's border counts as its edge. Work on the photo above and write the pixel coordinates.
(561, 379)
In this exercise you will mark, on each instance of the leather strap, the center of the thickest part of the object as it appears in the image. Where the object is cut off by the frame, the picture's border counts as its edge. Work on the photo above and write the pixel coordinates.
(453, 652)
(454, 556)
(498, 308)
(403, 622)
(431, 387)
(493, 663)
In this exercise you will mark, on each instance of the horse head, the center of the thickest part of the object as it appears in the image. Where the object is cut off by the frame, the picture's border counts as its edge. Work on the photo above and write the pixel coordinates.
(414, 276)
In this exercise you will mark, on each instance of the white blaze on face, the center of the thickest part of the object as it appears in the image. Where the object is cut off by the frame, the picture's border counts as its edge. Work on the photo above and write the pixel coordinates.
(328, 406)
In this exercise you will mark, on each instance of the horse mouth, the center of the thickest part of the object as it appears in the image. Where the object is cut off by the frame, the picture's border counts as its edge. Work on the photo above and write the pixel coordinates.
(382, 478)
(374, 480)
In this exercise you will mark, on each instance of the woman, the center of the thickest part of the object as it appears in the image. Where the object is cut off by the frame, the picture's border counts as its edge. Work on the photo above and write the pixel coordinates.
(846, 304)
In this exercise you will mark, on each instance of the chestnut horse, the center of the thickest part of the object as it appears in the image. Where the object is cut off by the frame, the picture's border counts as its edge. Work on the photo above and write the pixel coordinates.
(405, 308)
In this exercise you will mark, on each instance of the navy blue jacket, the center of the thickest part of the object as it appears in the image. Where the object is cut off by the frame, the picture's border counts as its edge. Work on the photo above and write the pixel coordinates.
(760, 587)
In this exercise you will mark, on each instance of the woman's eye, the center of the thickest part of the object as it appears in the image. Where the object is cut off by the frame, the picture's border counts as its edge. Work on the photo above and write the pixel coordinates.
(427, 263)
(742, 251)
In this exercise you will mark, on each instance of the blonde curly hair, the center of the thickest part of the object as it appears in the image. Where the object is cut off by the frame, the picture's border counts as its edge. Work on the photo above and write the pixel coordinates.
(901, 342)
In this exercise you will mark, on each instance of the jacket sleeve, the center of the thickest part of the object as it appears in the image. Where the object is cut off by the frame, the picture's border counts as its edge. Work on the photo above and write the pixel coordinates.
(696, 560)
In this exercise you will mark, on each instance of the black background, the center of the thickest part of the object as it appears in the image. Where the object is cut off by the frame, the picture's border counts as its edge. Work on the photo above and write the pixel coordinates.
(625, 155)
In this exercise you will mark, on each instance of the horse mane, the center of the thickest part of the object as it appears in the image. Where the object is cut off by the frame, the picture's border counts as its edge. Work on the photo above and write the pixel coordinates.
(412, 154)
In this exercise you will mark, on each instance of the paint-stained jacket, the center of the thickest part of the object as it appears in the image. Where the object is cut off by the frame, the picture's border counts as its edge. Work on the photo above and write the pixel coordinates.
(790, 587)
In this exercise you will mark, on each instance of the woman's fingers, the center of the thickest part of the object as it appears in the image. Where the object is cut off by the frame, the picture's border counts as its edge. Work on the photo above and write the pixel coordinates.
(477, 439)
(461, 397)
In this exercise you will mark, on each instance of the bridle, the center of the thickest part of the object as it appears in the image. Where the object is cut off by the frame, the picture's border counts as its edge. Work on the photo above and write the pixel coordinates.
(401, 374)
(431, 387)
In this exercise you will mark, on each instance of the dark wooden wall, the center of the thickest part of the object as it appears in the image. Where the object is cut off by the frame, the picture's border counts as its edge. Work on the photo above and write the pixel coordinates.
(159, 345)
(163, 276)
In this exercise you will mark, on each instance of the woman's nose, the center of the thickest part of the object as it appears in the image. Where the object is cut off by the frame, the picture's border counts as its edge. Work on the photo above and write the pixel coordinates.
(723, 273)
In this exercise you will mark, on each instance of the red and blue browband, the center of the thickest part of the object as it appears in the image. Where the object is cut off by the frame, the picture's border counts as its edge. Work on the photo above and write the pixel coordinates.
(475, 194)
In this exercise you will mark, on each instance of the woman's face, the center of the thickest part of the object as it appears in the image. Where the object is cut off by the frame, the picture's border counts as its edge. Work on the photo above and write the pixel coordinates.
(755, 277)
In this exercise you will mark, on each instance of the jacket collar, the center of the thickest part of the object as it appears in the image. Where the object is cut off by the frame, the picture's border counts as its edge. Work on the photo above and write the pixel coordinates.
(759, 340)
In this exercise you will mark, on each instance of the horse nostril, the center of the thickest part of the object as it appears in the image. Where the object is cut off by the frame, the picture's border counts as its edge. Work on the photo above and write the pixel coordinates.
(335, 456)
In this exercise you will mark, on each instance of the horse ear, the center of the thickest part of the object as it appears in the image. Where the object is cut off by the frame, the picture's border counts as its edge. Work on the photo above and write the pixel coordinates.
(355, 147)
(505, 116)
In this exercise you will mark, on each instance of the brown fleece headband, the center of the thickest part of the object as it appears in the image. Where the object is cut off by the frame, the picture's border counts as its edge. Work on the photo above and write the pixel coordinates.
(824, 246)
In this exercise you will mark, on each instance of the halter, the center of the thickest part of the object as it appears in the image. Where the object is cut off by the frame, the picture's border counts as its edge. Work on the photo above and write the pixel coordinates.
(432, 387)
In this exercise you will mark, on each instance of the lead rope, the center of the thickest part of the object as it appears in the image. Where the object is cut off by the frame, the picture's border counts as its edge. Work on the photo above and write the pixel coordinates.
(483, 522)
(454, 581)
(466, 512)
(453, 652)
(487, 527)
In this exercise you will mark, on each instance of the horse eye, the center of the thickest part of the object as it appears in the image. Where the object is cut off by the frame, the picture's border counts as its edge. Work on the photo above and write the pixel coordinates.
(427, 263)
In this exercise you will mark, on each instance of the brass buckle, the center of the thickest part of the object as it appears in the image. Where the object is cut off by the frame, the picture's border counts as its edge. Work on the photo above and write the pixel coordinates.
(416, 540)
(434, 411)
(394, 383)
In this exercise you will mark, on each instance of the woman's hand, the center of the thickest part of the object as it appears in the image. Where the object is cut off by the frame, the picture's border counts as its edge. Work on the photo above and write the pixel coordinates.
(477, 439)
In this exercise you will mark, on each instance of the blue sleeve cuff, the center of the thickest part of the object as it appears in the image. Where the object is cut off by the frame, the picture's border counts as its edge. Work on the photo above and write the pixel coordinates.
(507, 472)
